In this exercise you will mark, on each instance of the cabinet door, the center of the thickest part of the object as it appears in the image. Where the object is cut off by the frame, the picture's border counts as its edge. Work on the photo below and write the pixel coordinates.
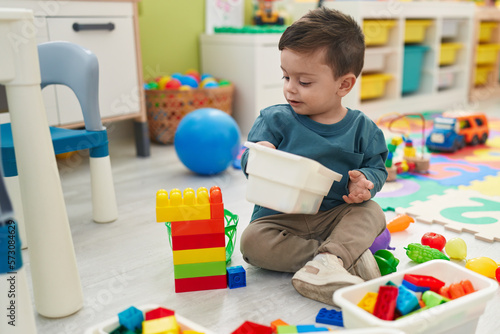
(115, 50)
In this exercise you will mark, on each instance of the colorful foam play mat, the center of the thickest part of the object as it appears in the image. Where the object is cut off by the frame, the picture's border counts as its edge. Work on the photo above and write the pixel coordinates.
(460, 189)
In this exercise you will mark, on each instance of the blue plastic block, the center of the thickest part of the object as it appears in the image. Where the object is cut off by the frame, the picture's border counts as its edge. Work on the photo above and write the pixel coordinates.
(407, 300)
(131, 318)
(236, 277)
(310, 328)
(415, 288)
(330, 317)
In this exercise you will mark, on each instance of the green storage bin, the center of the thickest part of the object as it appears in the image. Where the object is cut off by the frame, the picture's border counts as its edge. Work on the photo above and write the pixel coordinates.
(413, 62)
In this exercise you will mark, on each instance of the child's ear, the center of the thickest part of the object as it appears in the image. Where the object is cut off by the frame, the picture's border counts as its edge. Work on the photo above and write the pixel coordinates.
(347, 81)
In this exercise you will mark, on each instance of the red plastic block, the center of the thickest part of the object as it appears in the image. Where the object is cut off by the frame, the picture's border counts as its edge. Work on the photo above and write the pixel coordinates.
(423, 280)
(191, 227)
(159, 312)
(195, 241)
(249, 327)
(386, 302)
(200, 283)
(216, 204)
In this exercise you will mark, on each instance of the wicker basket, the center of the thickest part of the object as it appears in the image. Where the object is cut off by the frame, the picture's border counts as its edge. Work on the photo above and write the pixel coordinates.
(166, 108)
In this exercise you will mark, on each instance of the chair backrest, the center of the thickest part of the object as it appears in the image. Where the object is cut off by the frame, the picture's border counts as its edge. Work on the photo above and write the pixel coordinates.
(72, 65)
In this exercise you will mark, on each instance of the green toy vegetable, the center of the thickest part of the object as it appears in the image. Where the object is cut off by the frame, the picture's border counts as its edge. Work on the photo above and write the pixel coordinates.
(421, 253)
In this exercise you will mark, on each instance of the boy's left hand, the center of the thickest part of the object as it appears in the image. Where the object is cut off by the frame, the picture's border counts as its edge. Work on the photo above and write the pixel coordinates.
(359, 188)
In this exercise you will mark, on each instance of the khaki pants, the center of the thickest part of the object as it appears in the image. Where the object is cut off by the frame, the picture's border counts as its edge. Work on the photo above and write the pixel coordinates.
(285, 242)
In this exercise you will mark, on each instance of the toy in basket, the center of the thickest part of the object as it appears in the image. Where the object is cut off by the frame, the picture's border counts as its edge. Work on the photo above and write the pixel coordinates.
(286, 182)
(166, 107)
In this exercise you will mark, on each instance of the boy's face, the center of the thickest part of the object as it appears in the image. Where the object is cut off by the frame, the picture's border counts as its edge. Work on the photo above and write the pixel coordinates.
(310, 87)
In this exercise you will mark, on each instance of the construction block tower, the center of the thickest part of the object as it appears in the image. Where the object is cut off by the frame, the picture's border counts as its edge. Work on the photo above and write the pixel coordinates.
(198, 238)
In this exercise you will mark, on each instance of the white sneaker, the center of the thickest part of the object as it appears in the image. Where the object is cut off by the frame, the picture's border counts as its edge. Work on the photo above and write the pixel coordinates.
(366, 266)
(321, 277)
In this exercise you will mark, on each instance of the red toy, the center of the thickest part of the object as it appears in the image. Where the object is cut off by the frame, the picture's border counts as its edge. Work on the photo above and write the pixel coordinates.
(423, 280)
(434, 240)
(386, 302)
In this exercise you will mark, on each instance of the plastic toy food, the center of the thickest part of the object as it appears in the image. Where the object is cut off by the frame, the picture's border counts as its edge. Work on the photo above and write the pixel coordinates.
(383, 241)
(399, 223)
(482, 265)
(456, 249)
(386, 261)
(421, 253)
(434, 240)
(497, 274)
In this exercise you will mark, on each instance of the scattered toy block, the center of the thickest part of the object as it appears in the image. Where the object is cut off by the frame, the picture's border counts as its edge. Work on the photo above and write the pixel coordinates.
(200, 269)
(276, 323)
(330, 317)
(311, 328)
(236, 277)
(159, 312)
(199, 255)
(167, 325)
(249, 327)
(368, 302)
(131, 318)
(180, 207)
(286, 329)
(406, 301)
(195, 241)
(386, 302)
(191, 227)
(200, 283)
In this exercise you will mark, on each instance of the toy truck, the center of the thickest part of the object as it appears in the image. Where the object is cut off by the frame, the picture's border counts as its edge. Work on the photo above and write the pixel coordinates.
(266, 15)
(456, 129)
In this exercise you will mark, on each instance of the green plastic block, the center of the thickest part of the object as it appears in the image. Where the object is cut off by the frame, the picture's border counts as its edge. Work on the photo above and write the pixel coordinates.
(286, 329)
(189, 270)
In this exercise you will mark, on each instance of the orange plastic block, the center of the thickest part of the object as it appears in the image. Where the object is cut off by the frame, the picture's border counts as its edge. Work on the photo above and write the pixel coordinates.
(467, 285)
(200, 283)
(182, 242)
(456, 291)
(276, 323)
(368, 302)
(206, 226)
(216, 204)
(181, 207)
(445, 292)
(199, 255)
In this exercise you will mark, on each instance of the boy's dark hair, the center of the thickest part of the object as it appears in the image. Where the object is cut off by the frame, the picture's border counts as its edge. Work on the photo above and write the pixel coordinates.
(337, 33)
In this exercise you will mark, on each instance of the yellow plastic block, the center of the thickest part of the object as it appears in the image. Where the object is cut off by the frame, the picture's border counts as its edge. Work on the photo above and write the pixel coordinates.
(377, 31)
(368, 301)
(181, 207)
(200, 255)
(486, 54)
(485, 31)
(373, 85)
(415, 30)
(448, 53)
(191, 332)
(482, 73)
(166, 325)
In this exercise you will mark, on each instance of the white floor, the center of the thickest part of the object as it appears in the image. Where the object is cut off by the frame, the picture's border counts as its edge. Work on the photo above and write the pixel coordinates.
(129, 262)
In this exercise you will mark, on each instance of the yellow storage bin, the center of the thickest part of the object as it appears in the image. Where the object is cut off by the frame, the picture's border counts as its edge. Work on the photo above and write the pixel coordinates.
(377, 31)
(448, 53)
(482, 73)
(373, 85)
(487, 54)
(486, 31)
(415, 30)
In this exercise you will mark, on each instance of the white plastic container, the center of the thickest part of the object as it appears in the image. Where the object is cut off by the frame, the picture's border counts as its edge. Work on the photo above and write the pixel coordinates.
(286, 182)
(456, 316)
(109, 325)
(376, 59)
(450, 28)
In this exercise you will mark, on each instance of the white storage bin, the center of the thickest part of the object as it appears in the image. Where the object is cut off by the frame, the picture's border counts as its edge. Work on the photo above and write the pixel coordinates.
(286, 182)
(456, 316)
(446, 79)
(450, 28)
(375, 59)
(111, 324)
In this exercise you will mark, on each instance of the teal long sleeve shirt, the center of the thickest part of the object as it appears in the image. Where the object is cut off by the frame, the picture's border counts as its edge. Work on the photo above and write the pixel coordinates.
(354, 143)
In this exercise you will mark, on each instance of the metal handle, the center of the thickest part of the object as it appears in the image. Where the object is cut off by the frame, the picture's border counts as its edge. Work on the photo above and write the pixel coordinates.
(93, 26)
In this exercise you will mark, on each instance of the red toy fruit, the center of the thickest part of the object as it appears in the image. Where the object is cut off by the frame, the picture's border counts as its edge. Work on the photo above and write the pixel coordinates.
(497, 274)
(434, 240)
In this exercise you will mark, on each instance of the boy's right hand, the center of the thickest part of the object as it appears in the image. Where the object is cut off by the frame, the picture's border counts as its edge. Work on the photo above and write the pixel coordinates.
(266, 143)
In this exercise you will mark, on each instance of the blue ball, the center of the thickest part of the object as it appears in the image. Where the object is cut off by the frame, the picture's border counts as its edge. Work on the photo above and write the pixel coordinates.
(207, 141)
(188, 81)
